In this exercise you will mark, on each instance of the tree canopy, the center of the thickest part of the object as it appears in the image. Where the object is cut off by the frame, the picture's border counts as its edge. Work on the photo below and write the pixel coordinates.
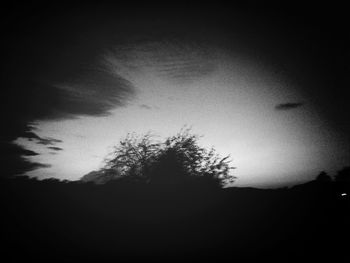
(343, 175)
(178, 158)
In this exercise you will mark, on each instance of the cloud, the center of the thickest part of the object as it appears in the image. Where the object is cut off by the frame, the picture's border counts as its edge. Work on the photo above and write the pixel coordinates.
(186, 64)
(26, 102)
(44, 141)
(32, 136)
(288, 106)
(14, 149)
(146, 107)
(48, 141)
(178, 62)
(55, 148)
(14, 160)
(54, 76)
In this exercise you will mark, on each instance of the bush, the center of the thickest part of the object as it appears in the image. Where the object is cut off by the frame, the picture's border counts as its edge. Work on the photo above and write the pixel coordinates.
(178, 159)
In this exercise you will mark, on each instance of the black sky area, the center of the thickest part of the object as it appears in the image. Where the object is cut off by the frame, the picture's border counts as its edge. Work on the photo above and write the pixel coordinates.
(54, 43)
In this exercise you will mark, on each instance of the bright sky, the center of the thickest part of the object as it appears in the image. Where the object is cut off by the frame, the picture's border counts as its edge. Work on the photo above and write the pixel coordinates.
(228, 99)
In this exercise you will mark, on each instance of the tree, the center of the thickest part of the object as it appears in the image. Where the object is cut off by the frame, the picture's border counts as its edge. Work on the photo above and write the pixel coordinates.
(179, 158)
(323, 177)
(133, 157)
(343, 176)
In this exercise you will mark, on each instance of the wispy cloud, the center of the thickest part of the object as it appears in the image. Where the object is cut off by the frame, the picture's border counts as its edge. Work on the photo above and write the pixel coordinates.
(15, 159)
(48, 141)
(14, 149)
(31, 136)
(288, 105)
(183, 62)
(55, 148)
(146, 107)
(94, 93)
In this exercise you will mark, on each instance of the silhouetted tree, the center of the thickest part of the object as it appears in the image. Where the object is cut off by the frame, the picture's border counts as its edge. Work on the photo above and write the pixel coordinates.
(132, 157)
(179, 158)
(323, 177)
(343, 175)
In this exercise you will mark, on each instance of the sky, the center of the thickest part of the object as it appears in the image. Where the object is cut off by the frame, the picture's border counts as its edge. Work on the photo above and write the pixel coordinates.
(266, 87)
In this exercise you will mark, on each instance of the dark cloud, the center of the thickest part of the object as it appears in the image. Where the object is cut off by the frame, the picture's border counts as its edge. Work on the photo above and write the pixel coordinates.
(19, 165)
(51, 72)
(48, 141)
(55, 148)
(14, 160)
(14, 149)
(93, 95)
(32, 136)
(27, 101)
(288, 106)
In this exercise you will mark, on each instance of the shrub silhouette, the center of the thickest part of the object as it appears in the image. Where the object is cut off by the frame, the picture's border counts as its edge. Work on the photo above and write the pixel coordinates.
(323, 177)
(343, 176)
(179, 159)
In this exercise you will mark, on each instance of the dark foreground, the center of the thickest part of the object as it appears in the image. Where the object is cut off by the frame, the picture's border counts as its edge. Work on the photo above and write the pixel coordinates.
(56, 221)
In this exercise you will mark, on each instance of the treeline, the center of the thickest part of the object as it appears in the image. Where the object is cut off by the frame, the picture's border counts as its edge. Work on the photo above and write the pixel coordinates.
(52, 220)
